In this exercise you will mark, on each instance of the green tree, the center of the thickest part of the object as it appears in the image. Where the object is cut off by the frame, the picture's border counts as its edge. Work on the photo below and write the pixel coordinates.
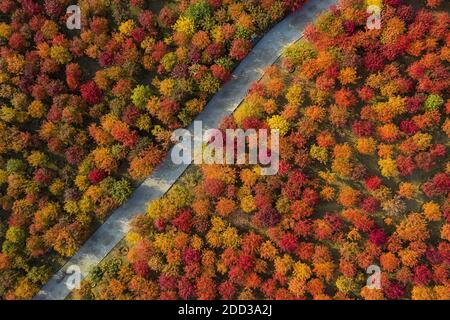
(140, 96)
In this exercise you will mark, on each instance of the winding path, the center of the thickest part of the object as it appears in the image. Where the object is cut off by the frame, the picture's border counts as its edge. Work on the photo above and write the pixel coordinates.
(224, 102)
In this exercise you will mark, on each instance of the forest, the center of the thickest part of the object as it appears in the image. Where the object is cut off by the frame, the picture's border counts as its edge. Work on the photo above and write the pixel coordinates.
(85, 115)
(364, 178)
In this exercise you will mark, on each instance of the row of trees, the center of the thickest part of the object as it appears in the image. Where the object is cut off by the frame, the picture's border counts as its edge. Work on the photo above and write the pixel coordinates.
(85, 115)
(364, 178)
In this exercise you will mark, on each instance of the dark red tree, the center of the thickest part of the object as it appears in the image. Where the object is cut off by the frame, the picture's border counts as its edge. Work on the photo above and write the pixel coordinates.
(91, 92)
(96, 175)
